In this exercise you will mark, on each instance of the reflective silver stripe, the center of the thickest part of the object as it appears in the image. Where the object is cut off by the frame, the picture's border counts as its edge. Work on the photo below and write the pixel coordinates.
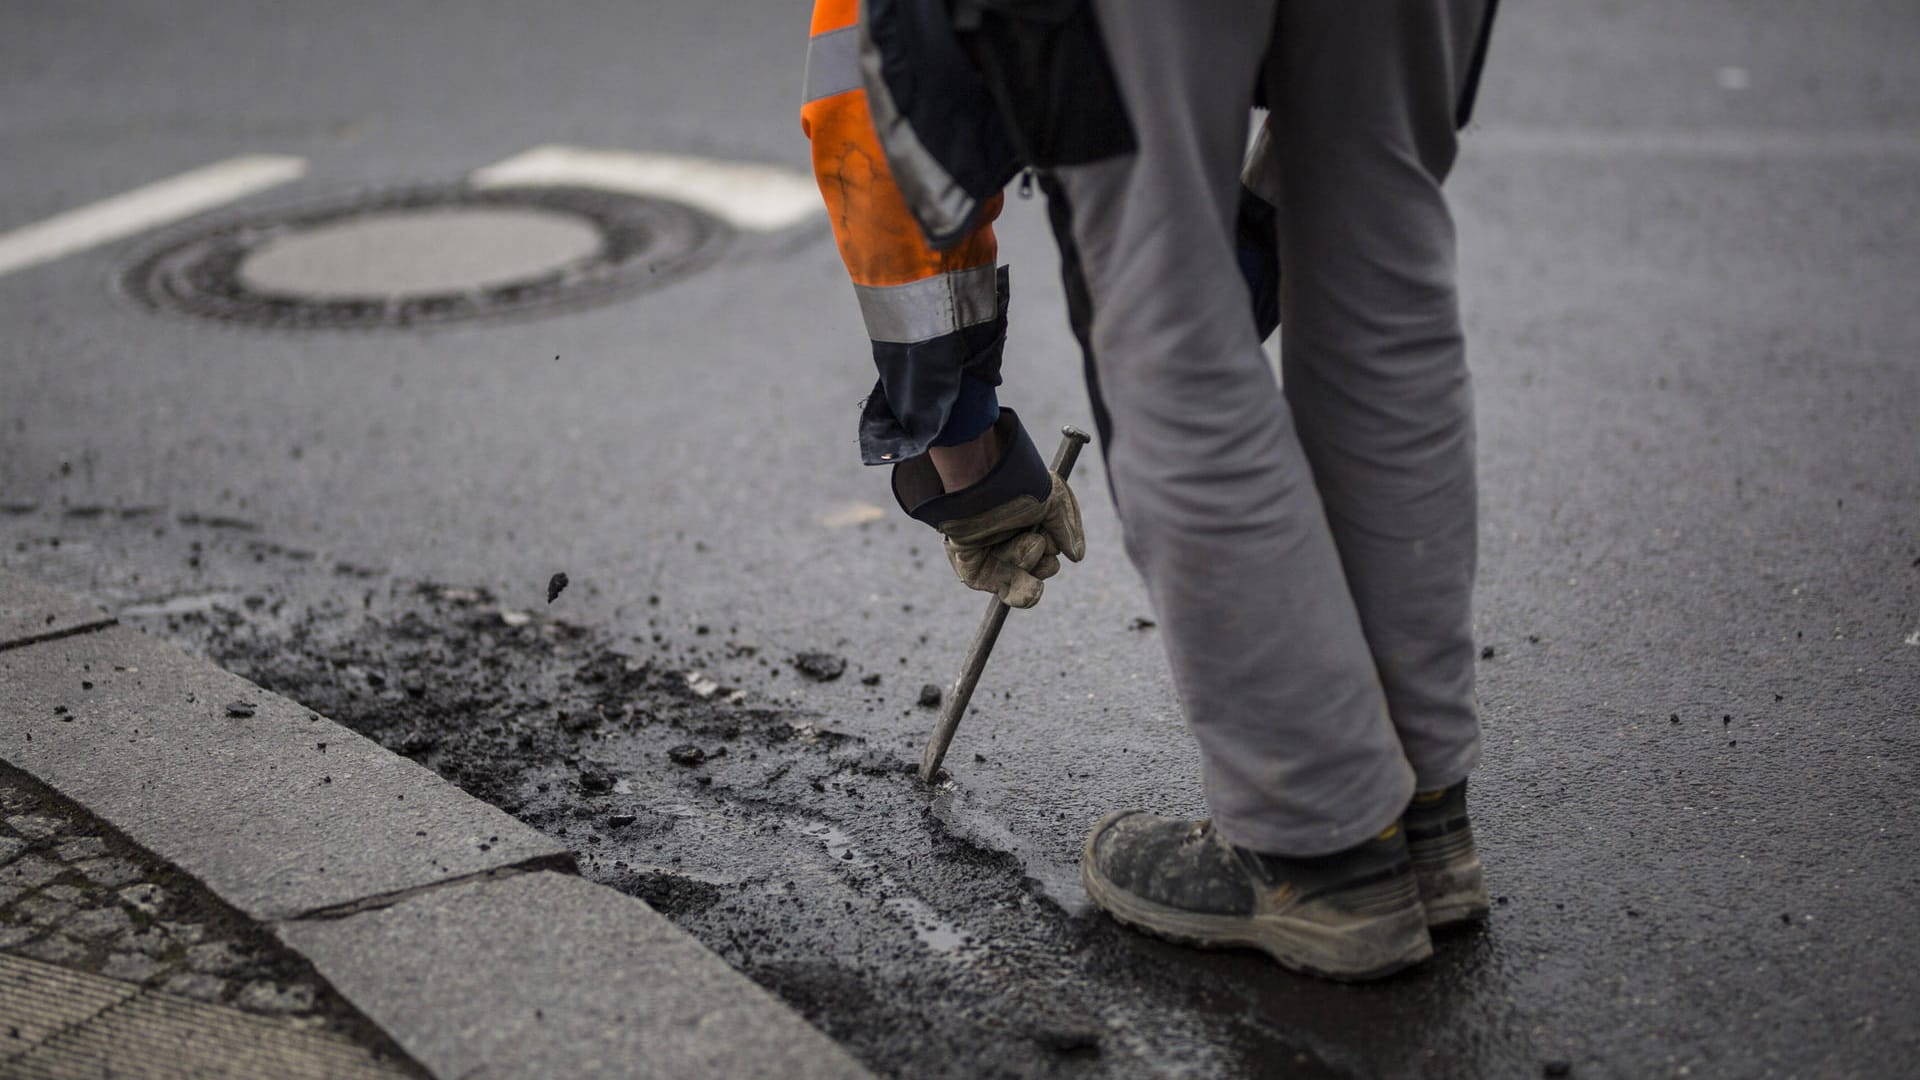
(939, 203)
(833, 63)
(925, 309)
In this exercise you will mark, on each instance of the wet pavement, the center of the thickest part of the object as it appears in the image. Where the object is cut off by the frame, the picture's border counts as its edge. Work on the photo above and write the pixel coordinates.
(710, 775)
(1687, 243)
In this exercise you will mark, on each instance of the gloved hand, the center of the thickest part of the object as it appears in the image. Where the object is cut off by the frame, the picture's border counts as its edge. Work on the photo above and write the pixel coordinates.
(1010, 549)
(1004, 534)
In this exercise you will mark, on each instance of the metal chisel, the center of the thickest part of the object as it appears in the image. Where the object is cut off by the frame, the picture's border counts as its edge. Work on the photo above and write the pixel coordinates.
(1071, 440)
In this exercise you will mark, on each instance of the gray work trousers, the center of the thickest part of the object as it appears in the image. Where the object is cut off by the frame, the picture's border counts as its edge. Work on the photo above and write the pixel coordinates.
(1310, 553)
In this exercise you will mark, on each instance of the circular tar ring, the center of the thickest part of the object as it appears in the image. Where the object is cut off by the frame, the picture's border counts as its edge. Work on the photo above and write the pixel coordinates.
(550, 247)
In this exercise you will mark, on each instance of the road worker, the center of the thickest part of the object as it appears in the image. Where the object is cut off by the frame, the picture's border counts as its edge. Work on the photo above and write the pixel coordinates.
(1309, 552)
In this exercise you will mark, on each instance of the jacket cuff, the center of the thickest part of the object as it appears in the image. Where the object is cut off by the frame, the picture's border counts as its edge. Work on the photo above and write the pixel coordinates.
(1020, 471)
(922, 382)
(976, 407)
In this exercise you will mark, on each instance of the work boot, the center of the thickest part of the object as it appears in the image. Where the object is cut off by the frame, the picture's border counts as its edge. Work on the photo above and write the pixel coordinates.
(1351, 915)
(1452, 887)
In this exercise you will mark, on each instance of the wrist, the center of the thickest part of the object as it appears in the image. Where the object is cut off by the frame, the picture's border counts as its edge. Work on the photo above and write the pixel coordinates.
(1016, 471)
(966, 464)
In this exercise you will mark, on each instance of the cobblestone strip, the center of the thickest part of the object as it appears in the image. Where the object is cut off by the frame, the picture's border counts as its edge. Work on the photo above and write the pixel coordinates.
(60, 1024)
(75, 894)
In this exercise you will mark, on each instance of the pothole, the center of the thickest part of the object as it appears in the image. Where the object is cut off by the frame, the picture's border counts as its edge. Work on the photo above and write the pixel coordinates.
(424, 256)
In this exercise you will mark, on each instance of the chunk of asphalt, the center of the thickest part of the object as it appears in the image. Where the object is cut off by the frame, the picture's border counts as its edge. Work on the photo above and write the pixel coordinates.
(30, 612)
(242, 807)
(686, 754)
(820, 666)
(545, 974)
(555, 586)
(1068, 1039)
(930, 696)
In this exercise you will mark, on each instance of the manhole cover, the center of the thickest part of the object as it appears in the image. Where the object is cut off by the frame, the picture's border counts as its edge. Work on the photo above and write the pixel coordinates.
(424, 256)
(418, 252)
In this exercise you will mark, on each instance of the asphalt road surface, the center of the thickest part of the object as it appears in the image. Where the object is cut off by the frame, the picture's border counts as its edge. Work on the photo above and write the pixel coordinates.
(1688, 248)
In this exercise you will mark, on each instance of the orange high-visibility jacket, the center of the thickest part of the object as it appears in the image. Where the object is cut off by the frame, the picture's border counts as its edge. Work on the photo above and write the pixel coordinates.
(937, 319)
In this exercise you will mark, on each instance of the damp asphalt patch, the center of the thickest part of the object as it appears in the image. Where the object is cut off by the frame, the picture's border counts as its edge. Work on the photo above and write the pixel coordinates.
(889, 916)
(941, 931)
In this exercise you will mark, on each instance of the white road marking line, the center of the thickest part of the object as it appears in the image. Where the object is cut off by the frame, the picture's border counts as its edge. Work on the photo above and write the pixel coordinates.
(762, 198)
(145, 207)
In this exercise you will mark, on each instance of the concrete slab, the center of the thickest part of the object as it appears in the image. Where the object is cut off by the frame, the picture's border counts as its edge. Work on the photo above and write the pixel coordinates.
(31, 612)
(281, 813)
(545, 974)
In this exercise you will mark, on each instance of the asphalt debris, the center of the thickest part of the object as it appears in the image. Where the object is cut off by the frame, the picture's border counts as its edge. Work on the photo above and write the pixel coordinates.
(930, 695)
(820, 666)
(555, 586)
(686, 754)
(924, 949)
(1068, 1040)
(218, 521)
(240, 710)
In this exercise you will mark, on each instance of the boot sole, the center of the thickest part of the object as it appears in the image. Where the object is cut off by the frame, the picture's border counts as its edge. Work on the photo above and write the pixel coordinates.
(1362, 949)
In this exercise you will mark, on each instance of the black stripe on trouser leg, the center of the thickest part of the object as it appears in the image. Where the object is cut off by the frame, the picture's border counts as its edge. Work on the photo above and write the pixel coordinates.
(1079, 308)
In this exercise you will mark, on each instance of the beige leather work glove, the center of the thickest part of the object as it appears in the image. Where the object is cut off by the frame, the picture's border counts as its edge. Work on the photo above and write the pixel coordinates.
(1010, 549)
(1004, 534)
